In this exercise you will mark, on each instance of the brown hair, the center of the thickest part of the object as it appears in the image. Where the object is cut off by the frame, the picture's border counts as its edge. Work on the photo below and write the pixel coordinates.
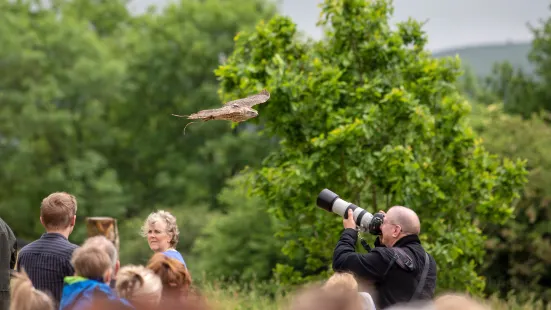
(58, 209)
(25, 297)
(174, 275)
(91, 262)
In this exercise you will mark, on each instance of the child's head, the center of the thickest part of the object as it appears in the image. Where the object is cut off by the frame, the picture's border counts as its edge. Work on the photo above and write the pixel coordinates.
(25, 297)
(92, 263)
(342, 281)
(139, 285)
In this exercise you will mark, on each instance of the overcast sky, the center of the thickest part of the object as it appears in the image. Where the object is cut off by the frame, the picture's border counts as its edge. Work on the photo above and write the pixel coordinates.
(451, 23)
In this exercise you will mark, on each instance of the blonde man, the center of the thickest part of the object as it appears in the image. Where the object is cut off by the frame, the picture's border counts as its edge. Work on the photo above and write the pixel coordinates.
(93, 273)
(47, 260)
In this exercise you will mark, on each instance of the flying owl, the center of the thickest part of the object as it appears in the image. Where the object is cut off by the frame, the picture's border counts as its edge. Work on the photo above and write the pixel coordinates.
(238, 110)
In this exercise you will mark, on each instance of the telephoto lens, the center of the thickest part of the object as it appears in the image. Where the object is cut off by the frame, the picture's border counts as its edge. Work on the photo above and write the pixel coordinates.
(365, 221)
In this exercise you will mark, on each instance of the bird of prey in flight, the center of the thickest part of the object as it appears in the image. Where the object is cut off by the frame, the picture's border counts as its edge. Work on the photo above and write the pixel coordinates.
(238, 110)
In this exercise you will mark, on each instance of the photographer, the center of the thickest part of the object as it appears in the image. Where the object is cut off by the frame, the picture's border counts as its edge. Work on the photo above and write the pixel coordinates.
(396, 266)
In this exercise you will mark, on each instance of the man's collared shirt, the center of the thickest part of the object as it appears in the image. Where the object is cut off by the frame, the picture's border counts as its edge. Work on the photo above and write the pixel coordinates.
(47, 261)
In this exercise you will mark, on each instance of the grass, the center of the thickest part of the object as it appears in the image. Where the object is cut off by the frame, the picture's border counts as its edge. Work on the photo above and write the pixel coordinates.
(235, 297)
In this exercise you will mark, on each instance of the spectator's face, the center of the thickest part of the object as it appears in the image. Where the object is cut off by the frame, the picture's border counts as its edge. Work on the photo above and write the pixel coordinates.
(157, 237)
(390, 230)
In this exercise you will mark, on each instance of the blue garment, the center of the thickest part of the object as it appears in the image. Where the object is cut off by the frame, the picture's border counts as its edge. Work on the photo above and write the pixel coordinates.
(78, 293)
(175, 254)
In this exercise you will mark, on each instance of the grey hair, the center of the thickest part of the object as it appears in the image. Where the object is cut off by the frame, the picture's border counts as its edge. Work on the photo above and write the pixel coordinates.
(168, 219)
(104, 244)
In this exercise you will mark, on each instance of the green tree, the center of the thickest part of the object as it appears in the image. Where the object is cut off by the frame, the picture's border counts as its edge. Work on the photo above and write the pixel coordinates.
(86, 108)
(519, 252)
(242, 235)
(56, 79)
(171, 57)
(368, 113)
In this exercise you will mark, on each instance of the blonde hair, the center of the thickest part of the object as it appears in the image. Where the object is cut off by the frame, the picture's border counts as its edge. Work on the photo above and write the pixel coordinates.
(458, 302)
(324, 298)
(344, 287)
(341, 281)
(91, 262)
(137, 283)
(168, 219)
(25, 297)
(57, 210)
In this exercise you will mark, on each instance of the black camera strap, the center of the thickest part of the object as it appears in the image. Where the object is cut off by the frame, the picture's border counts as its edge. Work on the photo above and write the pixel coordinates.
(364, 243)
(404, 261)
(421, 283)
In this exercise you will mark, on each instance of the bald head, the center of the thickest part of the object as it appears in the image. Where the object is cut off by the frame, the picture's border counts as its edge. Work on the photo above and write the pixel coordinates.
(406, 218)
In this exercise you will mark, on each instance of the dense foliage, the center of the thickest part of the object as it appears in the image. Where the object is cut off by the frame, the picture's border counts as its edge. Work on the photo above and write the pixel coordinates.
(87, 90)
(86, 107)
(519, 251)
(368, 113)
(516, 124)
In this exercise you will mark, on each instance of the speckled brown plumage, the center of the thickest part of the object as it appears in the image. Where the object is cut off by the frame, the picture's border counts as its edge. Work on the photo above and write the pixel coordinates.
(236, 110)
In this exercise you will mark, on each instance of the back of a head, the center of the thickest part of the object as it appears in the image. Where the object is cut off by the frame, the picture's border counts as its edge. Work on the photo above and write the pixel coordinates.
(342, 281)
(104, 244)
(91, 262)
(25, 297)
(57, 210)
(174, 275)
(139, 285)
(326, 298)
(457, 302)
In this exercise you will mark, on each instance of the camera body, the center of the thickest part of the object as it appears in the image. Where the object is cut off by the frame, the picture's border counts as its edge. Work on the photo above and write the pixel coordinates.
(365, 221)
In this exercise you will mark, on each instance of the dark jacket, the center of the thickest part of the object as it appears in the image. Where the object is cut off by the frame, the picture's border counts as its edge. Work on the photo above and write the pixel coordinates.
(47, 261)
(8, 255)
(394, 283)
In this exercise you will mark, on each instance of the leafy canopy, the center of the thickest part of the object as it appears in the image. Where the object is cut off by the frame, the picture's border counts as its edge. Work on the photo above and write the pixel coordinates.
(369, 114)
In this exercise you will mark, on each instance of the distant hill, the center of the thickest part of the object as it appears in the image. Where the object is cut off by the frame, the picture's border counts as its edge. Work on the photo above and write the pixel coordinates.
(481, 58)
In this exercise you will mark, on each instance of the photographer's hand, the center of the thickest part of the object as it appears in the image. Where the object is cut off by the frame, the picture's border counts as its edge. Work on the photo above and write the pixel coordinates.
(349, 222)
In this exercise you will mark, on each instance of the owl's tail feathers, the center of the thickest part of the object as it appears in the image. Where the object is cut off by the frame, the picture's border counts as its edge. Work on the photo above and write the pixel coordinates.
(188, 125)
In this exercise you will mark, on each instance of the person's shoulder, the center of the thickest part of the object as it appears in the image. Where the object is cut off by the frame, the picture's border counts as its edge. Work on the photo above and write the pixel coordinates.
(396, 255)
(175, 254)
(27, 247)
(4, 227)
(69, 248)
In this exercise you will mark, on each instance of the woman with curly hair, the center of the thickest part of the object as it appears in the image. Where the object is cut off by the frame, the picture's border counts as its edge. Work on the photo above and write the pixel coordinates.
(162, 233)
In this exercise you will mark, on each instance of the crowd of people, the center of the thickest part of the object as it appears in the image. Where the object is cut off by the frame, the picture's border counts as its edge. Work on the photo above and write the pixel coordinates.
(53, 273)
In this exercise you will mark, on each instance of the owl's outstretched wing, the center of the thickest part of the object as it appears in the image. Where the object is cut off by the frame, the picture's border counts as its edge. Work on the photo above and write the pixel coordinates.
(250, 101)
(207, 115)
